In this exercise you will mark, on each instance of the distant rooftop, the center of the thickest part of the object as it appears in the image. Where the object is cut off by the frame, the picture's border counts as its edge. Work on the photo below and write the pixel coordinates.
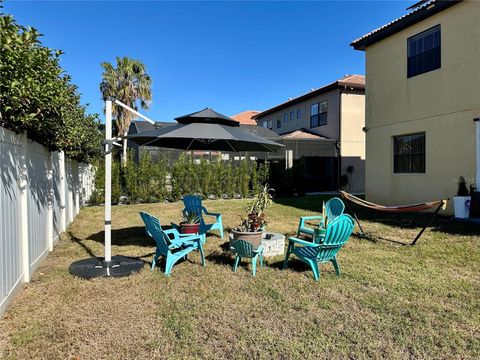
(421, 10)
(302, 134)
(246, 117)
(356, 82)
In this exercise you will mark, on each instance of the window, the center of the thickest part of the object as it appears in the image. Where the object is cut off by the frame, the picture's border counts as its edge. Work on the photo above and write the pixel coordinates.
(285, 117)
(292, 115)
(318, 114)
(279, 123)
(270, 124)
(299, 113)
(409, 153)
(265, 124)
(424, 52)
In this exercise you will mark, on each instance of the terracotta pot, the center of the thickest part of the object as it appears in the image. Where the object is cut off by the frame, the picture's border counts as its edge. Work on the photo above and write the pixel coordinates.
(254, 238)
(189, 228)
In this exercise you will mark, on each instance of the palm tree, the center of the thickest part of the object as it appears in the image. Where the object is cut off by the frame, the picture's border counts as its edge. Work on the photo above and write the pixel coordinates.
(129, 83)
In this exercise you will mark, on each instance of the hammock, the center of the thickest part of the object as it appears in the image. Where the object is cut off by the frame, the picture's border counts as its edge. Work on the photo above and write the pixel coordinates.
(440, 204)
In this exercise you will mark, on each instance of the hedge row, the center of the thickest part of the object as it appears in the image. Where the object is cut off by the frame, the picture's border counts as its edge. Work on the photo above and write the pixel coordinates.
(156, 181)
(38, 97)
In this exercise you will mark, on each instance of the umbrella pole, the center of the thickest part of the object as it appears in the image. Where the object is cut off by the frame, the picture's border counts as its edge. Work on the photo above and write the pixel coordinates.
(108, 182)
(116, 265)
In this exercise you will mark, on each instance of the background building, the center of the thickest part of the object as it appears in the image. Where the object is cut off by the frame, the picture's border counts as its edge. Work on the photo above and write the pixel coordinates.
(324, 128)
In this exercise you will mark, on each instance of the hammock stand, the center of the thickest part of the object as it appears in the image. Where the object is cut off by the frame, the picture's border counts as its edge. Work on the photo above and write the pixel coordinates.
(394, 209)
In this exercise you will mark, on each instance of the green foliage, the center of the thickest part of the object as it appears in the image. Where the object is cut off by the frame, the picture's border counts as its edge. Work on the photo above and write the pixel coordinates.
(244, 178)
(37, 96)
(191, 218)
(261, 201)
(147, 181)
(462, 189)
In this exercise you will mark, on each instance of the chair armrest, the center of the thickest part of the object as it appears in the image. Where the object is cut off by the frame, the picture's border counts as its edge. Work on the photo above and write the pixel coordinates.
(189, 238)
(206, 212)
(306, 218)
(312, 217)
(302, 242)
(173, 232)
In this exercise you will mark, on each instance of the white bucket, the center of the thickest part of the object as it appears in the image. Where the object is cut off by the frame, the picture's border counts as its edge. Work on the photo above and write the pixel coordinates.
(461, 206)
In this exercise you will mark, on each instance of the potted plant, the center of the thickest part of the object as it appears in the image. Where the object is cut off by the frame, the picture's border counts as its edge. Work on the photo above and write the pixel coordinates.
(190, 223)
(251, 228)
(461, 202)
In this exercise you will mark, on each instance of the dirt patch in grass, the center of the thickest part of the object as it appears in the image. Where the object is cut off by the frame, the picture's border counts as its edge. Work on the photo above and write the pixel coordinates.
(391, 301)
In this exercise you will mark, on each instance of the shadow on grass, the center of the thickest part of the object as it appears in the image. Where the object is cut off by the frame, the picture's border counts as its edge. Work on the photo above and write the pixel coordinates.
(134, 235)
(313, 203)
(442, 224)
(90, 252)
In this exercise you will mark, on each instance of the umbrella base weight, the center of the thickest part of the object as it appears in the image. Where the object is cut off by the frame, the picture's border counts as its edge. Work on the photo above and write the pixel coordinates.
(97, 267)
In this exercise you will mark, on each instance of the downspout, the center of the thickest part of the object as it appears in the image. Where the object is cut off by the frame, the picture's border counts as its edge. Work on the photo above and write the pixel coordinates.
(477, 153)
(339, 142)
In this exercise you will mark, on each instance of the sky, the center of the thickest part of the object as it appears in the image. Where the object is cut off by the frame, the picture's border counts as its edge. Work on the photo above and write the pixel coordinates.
(230, 56)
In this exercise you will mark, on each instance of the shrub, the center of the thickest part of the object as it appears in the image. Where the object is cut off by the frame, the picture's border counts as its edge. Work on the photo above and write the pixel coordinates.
(147, 181)
(37, 96)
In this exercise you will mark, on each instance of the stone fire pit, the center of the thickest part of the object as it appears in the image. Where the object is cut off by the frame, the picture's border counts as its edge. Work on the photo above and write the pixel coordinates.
(273, 244)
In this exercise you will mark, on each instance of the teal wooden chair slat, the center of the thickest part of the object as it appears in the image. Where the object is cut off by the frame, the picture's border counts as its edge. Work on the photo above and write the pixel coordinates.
(333, 208)
(322, 250)
(244, 249)
(170, 243)
(193, 204)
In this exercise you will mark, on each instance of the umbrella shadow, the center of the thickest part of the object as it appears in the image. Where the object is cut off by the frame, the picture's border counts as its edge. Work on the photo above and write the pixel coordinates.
(134, 235)
(99, 237)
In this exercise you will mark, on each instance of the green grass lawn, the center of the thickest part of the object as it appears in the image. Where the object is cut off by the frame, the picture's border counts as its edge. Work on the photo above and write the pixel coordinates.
(391, 301)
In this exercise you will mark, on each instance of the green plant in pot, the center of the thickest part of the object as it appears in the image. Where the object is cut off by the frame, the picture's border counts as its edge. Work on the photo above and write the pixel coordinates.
(461, 202)
(252, 226)
(190, 223)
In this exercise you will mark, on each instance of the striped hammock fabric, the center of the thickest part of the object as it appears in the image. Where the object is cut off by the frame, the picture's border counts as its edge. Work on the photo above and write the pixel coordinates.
(394, 209)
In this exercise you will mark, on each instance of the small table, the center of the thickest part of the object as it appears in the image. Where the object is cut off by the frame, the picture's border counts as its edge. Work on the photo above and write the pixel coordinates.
(273, 244)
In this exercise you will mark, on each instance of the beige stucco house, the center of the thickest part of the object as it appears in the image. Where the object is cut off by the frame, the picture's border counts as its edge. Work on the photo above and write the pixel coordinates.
(325, 123)
(422, 93)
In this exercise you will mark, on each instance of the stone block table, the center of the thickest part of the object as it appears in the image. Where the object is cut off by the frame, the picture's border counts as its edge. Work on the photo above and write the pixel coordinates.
(273, 244)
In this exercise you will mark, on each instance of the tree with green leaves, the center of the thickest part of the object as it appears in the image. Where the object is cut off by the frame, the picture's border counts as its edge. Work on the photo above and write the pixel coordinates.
(129, 83)
(37, 96)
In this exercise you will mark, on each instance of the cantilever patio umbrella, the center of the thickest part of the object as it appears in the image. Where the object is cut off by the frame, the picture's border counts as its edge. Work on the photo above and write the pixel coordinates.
(203, 130)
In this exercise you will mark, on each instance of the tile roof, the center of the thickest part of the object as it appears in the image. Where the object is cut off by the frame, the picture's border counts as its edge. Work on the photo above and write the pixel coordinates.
(423, 10)
(356, 82)
(246, 117)
(301, 134)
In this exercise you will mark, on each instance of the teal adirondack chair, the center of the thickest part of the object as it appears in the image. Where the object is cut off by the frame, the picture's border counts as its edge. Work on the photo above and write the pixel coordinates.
(337, 233)
(172, 249)
(244, 249)
(193, 204)
(333, 208)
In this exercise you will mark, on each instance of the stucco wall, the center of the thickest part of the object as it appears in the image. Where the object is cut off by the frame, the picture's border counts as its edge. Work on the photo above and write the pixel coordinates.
(442, 103)
(352, 139)
(330, 130)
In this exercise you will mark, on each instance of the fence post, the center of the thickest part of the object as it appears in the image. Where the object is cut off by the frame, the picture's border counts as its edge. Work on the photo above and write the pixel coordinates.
(63, 207)
(77, 187)
(23, 186)
(50, 201)
(70, 189)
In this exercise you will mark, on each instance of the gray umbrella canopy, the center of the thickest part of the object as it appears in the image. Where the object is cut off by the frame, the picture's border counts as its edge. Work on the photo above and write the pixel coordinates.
(204, 136)
(207, 116)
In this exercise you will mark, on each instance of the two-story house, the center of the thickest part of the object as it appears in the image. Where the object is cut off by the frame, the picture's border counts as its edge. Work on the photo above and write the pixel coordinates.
(422, 93)
(325, 123)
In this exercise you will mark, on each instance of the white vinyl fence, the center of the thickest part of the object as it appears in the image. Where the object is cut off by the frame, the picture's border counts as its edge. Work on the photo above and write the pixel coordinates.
(40, 194)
